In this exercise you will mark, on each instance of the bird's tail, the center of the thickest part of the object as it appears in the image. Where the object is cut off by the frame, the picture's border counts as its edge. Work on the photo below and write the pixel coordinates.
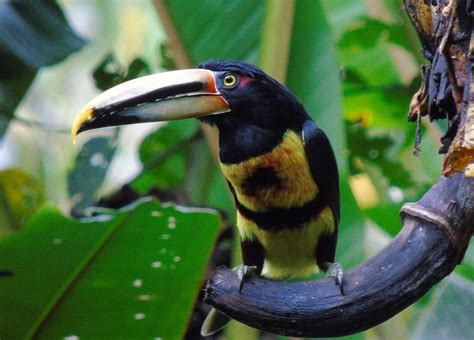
(214, 322)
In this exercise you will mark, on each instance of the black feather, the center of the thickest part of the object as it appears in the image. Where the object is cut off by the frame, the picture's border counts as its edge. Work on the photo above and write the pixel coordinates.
(323, 166)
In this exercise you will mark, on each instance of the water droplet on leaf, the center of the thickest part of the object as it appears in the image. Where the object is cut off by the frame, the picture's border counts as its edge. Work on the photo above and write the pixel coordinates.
(139, 316)
(144, 297)
(156, 264)
(98, 160)
(71, 337)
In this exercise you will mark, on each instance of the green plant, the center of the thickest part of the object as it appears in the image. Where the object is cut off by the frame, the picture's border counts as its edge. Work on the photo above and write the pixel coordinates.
(355, 69)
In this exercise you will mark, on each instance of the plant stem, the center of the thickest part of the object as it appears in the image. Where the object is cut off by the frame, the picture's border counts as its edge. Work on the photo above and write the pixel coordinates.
(277, 29)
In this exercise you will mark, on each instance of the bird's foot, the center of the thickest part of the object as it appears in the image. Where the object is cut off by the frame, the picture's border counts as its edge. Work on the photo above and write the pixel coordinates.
(335, 270)
(243, 272)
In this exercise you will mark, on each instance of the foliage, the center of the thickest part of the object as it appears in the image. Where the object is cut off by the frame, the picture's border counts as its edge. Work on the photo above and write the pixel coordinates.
(91, 163)
(20, 196)
(88, 172)
(353, 67)
(121, 269)
(163, 154)
(32, 36)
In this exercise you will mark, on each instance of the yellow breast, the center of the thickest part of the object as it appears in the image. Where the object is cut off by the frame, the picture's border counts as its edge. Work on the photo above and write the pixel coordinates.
(288, 160)
(289, 251)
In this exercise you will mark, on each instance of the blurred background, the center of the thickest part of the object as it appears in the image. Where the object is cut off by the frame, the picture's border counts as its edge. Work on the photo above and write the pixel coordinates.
(354, 64)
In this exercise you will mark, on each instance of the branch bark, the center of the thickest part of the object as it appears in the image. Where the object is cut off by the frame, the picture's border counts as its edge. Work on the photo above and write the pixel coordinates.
(433, 241)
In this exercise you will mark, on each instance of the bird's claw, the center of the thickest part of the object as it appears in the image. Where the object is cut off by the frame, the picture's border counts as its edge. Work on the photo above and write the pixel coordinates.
(243, 272)
(335, 270)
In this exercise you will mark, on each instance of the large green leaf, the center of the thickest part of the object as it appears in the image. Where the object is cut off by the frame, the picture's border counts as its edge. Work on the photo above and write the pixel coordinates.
(134, 273)
(449, 313)
(36, 33)
(342, 14)
(218, 29)
(32, 35)
(313, 72)
(88, 172)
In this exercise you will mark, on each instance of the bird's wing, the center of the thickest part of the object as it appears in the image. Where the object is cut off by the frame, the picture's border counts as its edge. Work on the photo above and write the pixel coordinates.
(323, 166)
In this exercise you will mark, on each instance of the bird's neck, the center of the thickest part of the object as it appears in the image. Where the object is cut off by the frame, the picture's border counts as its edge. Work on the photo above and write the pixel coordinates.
(239, 143)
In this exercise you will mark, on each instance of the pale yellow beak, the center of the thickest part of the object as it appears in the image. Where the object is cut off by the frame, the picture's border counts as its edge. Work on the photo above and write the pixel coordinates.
(158, 97)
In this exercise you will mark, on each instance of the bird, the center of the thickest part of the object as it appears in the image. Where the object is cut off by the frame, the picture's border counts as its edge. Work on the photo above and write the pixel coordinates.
(278, 163)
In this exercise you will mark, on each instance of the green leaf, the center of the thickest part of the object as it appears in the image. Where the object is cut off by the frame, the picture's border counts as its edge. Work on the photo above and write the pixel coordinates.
(163, 154)
(364, 51)
(342, 14)
(466, 267)
(386, 216)
(37, 33)
(110, 73)
(204, 184)
(365, 34)
(130, 274)
(12, 89)
(449, 313)
(166, 57)
(218, 29)
(137, 68)
(374, 64)
(32, 35)
(88, 173)
(313, 55)
(377, 149)
(384, 107)
(20, 196)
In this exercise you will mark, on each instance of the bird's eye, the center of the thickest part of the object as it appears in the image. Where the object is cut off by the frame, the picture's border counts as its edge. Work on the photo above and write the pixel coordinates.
(230, 80)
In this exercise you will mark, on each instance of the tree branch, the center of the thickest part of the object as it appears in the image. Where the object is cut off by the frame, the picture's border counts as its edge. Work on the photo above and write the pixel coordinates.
(433, 241)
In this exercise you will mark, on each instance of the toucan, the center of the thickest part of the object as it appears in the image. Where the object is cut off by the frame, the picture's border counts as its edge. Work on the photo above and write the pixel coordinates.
(278, 163)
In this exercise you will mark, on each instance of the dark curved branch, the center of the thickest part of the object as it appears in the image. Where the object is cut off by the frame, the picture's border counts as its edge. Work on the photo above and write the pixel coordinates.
(433, 241)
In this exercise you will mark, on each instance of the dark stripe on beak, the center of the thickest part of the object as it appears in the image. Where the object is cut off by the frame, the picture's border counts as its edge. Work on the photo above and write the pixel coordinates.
(158, 97)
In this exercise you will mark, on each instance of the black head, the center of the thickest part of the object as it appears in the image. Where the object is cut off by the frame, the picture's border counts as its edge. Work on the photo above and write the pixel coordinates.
(254, 98)
(251, 110)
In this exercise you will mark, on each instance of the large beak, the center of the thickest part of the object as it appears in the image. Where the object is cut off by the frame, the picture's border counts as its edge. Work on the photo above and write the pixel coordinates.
(158, 97)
